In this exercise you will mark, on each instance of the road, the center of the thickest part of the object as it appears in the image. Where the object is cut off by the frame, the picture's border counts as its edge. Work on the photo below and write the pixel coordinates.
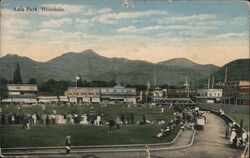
(208, 143)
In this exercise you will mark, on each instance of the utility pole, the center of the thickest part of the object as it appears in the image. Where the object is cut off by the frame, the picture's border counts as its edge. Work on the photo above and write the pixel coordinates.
(213, 82)
(225, 76)
(187, 87)
(155, 79)
(148, 86)
(118, 80)
(208, 83)
(169, 86)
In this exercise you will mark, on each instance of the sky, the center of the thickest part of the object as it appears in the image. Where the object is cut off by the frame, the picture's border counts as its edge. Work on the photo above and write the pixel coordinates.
(206, 32)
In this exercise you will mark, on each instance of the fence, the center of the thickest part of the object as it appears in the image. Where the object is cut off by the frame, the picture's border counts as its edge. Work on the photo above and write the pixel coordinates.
(239, 109)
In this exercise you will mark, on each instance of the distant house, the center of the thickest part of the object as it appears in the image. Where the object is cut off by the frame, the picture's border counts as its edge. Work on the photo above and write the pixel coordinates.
(209, 95)
(118, 93)
(83, 94)
(236, 92)
(157, 92)
(182, 93)
(21, 93)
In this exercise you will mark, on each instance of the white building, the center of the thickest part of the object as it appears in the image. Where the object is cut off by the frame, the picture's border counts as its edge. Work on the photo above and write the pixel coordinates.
(83, 94)
(48, 99)
(209, 95)
(157, 92)
(63, 99)
(118, 93)
(21, 93)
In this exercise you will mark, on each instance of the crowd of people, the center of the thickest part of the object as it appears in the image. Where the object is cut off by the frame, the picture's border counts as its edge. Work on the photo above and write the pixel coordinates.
(68, 119)
(183, 116)
(237, 136)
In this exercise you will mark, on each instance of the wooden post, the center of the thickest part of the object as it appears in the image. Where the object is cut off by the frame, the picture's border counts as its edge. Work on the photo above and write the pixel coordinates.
(147, 150)
(1, 153)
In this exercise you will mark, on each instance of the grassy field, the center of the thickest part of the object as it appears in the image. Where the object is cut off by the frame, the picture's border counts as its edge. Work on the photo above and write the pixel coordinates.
(238, 117)
(15, 136)
(54, 135)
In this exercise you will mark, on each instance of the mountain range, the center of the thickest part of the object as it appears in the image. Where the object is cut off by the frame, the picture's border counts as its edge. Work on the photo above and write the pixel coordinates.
(92, 66)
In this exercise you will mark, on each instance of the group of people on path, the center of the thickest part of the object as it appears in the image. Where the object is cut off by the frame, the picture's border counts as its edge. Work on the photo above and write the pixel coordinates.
(183, 116)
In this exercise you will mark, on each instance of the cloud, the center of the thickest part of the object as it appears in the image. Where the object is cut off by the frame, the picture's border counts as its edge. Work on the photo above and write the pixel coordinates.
(54, 23)
(233, 35)
(175, 19)
(104, 10)
(113, 17)
(195, 26)
(239, 21)
(201, 21)
(82, 21)
(133, 29)
(15, 24)
(129, 29)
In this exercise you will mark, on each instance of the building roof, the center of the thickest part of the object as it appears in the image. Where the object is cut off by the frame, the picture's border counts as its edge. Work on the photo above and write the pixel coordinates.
(23, 96)
(118, 86)
(23, 84)
(22, 87)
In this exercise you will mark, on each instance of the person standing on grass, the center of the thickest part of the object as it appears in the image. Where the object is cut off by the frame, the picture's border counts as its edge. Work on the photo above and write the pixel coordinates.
(111, 124)
(67, 145)
(118, 122)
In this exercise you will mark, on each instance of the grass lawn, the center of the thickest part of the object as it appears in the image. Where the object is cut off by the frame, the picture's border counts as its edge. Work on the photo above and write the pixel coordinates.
(238, 117)
(54, 135)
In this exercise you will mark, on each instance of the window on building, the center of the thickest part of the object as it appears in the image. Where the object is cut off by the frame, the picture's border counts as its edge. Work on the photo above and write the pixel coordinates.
(97, 93)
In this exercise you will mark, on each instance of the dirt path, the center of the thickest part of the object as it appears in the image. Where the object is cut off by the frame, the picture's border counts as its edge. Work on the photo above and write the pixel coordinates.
(209, 143)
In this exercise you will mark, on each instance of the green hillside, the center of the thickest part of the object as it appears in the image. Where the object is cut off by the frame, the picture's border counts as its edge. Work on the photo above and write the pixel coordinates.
(236, 70)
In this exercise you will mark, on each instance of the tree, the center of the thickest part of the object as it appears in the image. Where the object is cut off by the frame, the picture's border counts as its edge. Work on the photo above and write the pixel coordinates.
(32, 81)
(55, 87)
(3, 89)
(17, 78)
(112, 83)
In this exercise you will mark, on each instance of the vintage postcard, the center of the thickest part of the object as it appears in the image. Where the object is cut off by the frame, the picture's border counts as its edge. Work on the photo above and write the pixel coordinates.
(124, 78)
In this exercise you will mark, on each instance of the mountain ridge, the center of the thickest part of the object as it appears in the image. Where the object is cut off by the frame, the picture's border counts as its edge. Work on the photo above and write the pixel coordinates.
(182, 62)
(92, 66)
